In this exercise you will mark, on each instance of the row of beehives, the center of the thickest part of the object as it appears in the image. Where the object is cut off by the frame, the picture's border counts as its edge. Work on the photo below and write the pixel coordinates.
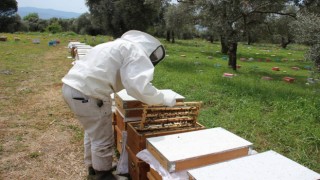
(78, 50)
(155, 145)
(16, 39)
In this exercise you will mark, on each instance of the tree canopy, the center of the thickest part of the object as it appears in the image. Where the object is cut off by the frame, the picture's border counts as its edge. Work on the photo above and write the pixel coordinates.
(8, 8)
(232, 19)
(118, 16)
(307, 30)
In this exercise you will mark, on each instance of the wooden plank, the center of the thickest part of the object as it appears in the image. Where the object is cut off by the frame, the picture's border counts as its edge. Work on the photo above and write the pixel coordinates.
(130, 113)
(266, 165)
(166, 127)
(150, 176)
(125, 101)
(118, 139)
(120, 121)
(211, 158)
(127, 119)
(197, 148)
(155, 174)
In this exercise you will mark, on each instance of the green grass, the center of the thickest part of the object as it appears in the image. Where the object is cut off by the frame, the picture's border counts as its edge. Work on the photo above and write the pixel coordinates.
(273, 115)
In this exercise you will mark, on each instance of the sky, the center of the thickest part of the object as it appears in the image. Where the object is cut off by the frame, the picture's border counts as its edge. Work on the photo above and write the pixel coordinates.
(77, 6)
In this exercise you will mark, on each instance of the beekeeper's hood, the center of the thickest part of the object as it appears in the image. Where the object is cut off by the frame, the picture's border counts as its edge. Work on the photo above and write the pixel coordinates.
(151, 46)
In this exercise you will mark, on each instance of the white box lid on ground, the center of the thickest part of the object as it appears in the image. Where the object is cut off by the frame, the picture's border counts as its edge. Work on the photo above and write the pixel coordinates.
(265, 166)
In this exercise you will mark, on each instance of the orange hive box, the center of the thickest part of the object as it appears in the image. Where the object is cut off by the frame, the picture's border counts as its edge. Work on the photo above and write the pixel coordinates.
(288, 79)
(276, 69)
(268, 60)
(228, 75)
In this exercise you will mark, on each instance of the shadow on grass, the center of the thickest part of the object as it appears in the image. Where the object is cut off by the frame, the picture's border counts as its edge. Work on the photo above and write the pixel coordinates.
(189, 43)
(179, 66)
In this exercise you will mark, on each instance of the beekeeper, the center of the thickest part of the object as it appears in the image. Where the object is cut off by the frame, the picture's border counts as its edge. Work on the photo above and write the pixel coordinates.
(127, 62)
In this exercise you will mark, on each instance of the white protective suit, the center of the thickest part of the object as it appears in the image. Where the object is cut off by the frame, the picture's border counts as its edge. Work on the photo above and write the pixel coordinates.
(127, 62)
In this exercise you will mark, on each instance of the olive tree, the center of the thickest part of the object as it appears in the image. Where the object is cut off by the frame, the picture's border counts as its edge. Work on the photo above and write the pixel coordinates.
(8, 8)
(32, 20)
(118, 16)
(179, 20)
(232, 18)
(307, 30)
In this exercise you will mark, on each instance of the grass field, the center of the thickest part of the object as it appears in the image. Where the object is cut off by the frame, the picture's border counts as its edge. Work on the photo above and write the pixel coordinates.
(39, 134)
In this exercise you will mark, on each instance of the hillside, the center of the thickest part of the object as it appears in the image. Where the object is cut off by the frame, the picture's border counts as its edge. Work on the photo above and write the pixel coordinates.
(47, 13)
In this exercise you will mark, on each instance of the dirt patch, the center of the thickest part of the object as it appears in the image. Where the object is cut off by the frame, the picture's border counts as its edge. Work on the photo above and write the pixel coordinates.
(40, 139)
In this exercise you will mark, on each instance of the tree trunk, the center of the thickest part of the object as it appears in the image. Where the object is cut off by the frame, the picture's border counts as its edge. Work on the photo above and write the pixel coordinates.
(172, 35)
(233, 55)
(168, 36)
(224, 45)
(211, 38)
(284, 43)
(245, 28)
(249, 38)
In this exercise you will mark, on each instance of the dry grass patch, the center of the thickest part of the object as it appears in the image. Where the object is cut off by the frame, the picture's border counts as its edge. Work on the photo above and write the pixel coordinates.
(36, 139)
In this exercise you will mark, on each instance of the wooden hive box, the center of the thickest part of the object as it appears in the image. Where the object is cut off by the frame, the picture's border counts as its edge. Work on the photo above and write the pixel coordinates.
(197, 148)
(137, 140)
(275, 68)
(81, 51)
(131, 107)
(122, 121)
(160, 120)
(72, 45)
(288, 79)
(137, 168)
(74, 48)
(266, 165)
(3, 38)
(118, 138)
